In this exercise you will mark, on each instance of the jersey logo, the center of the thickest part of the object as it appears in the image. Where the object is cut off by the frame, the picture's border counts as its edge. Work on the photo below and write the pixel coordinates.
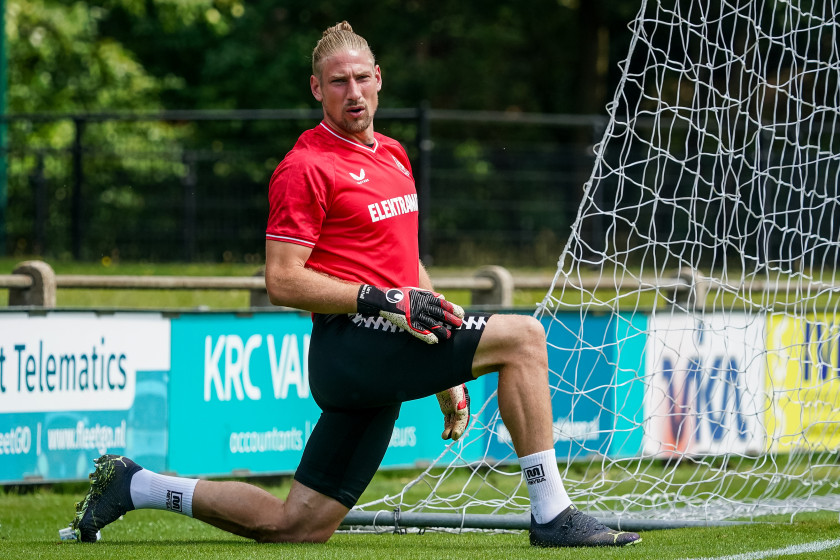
(401, 167)
(360, 178)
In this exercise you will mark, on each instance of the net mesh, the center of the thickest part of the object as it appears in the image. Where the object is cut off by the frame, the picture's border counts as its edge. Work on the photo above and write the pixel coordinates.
(693, 328)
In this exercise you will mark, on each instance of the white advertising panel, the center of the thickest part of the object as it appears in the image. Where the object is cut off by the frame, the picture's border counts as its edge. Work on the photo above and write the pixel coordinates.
(705, 385)
(78, 361)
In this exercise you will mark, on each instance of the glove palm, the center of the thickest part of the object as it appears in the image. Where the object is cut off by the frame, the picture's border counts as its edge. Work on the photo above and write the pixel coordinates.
(455, 406)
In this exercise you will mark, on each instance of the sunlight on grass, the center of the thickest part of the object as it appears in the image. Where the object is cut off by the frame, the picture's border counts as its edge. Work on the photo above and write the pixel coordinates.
(29, 526)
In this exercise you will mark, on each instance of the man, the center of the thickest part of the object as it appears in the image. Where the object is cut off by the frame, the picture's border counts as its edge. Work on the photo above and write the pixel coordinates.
(341, 243)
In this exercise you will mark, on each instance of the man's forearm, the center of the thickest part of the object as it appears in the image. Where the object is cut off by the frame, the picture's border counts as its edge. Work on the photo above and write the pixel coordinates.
(312, 291)
(425, 280)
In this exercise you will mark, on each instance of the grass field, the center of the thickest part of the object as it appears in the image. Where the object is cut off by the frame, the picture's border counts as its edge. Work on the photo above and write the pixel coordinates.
(29, 525)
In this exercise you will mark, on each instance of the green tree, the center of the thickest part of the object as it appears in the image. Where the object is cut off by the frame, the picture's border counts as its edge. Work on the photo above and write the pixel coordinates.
(60, 63)
(548, 56)
(529, 55)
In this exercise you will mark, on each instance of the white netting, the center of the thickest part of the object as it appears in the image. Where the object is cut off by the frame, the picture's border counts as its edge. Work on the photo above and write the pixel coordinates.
(693, 325)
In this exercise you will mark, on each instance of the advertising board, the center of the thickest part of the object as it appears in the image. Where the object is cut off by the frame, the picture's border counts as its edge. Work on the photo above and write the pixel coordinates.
(596, 405)
(803, 362)
(705, 391)
(240, 400)
(76, 385)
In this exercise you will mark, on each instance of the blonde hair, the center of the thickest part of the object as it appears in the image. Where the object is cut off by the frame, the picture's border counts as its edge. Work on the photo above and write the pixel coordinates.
(339, 37)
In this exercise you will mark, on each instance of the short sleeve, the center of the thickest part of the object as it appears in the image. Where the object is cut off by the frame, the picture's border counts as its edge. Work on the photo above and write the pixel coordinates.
(298, 196)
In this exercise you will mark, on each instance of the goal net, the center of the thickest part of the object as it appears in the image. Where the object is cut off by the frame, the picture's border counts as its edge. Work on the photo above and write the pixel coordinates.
(693, 326)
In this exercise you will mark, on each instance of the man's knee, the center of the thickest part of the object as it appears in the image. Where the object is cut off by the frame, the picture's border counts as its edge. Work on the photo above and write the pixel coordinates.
(530, 334)
(306, 516)
(536, 331)
(520, 326)
(516, 341)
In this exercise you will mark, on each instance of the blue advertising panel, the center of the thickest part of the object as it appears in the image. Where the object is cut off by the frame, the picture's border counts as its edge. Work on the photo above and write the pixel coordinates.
(240, 400)
(61, 445)
(590, 398)
(74, 386)
(218, 394)
(630, 359)
(239, 393)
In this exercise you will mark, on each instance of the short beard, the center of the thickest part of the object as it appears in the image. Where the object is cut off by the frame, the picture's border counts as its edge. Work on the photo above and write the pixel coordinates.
(356, 126)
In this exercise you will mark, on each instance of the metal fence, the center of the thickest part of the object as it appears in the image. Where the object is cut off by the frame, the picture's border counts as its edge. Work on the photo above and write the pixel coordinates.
(192, 186)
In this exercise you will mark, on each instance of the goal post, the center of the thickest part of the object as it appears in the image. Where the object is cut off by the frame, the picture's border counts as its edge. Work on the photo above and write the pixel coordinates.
(693, 324)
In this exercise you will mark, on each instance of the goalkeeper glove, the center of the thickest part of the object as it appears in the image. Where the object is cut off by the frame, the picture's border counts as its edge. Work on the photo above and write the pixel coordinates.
(422, 313)
(455, 405)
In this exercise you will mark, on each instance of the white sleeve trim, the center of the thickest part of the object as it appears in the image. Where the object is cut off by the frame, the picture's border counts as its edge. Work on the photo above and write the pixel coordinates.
(288, 239)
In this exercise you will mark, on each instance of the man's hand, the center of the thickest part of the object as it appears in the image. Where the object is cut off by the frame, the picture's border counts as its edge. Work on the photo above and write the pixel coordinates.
(422, 313)
(455, 405)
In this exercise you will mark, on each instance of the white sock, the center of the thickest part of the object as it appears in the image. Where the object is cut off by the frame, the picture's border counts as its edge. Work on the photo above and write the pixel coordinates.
(150, 490)
(545, 487)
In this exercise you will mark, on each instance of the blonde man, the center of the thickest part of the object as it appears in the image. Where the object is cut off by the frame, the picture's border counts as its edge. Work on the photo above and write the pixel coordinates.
(341, 243)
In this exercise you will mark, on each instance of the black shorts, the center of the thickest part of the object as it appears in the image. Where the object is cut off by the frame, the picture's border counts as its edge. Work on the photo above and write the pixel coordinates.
(361, 369)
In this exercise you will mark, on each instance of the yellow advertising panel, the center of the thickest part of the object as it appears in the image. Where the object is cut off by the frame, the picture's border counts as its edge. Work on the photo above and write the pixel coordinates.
(803, 385)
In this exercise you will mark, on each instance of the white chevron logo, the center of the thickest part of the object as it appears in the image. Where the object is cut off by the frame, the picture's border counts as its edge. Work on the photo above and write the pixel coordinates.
(360, 176)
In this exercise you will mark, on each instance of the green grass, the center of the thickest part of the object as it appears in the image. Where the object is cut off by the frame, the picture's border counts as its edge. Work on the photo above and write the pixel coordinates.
(29, 525)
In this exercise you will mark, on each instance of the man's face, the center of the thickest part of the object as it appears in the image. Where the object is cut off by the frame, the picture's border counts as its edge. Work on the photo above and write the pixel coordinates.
(348, 88)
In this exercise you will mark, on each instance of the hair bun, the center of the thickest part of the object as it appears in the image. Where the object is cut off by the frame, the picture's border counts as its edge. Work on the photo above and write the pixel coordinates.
(342, 26)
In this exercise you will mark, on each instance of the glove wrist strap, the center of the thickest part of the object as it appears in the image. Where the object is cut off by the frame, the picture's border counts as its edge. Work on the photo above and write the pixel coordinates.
(367, 299)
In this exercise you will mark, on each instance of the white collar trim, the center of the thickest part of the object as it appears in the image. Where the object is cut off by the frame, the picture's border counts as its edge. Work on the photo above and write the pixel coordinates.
(353, 142)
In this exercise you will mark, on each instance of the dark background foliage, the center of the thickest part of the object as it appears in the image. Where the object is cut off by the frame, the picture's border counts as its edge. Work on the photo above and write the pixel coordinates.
(86, 180)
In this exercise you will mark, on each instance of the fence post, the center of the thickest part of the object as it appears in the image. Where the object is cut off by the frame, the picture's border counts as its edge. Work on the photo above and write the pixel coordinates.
(39, 190)
(502, 293)
(78, 182)
(424, 180)
(42, 291)
(4, 153)
(259, 298)
(190, 182)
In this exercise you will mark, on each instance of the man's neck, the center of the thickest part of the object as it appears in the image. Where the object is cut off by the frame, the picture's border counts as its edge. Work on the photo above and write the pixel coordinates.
(365, 137)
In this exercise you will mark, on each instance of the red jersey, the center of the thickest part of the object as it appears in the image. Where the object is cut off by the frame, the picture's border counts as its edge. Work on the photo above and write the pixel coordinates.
(354, 205)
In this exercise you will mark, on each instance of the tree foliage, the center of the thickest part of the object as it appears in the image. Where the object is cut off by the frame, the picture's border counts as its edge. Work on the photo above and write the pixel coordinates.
(532, 55)
(145, 56)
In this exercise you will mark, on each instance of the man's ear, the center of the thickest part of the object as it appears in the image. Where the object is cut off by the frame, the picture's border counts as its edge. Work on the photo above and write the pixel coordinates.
(315, 86)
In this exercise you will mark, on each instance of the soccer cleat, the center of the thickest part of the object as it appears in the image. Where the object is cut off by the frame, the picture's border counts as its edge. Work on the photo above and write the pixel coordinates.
(574, 528)
(109, 496)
